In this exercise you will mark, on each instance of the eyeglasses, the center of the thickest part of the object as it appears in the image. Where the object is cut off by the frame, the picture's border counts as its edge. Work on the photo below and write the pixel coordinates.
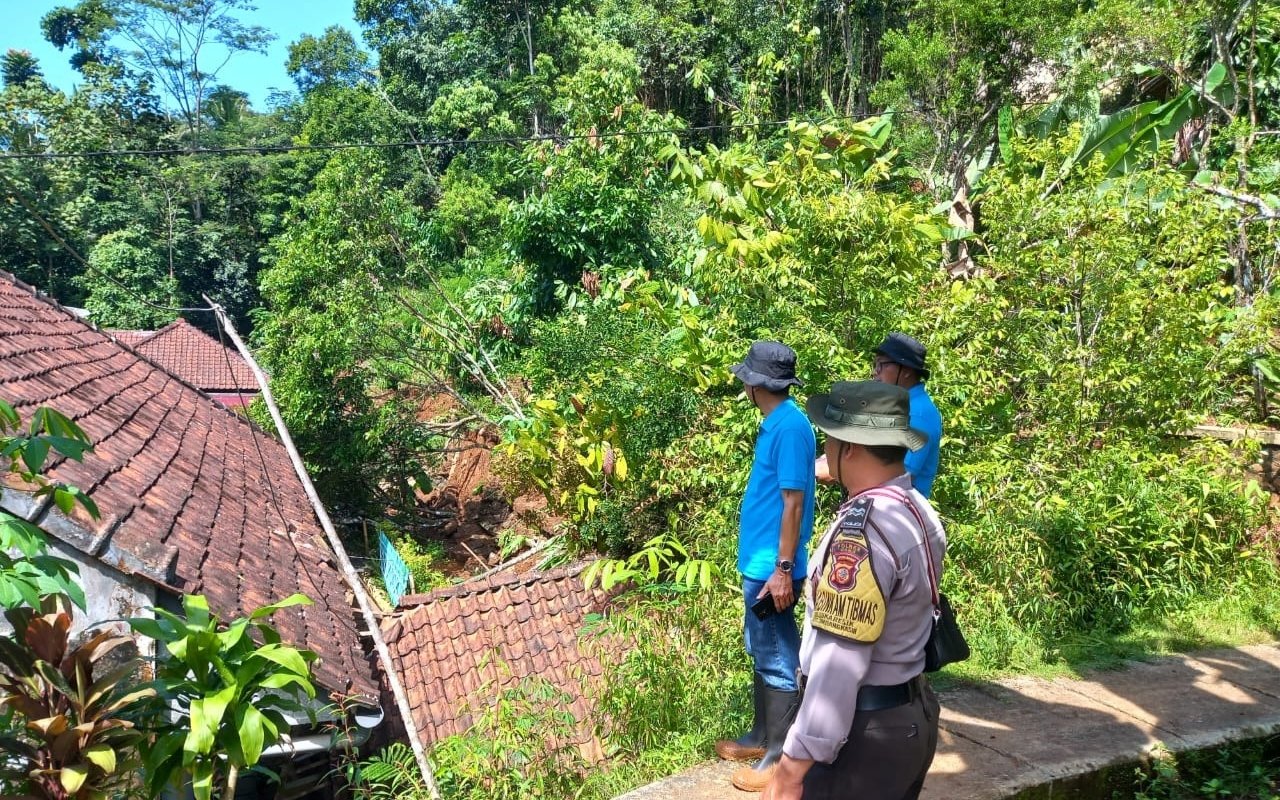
(880, 364)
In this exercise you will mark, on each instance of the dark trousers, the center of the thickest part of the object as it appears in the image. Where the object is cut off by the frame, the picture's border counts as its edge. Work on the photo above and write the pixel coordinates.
(887, 755)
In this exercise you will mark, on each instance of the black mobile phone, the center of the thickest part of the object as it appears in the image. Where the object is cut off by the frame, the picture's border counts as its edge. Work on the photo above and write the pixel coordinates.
(764, 607)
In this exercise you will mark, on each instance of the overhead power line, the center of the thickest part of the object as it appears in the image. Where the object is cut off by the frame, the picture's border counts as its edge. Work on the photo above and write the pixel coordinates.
(268, 149)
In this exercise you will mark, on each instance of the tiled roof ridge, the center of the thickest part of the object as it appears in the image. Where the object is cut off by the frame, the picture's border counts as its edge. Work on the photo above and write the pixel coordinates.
(184, 347)
(50, 301)
(489, 584)
(116, 333)
(177, 324)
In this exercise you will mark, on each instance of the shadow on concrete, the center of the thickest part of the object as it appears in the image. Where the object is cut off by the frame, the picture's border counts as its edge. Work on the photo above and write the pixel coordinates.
(1001, 738)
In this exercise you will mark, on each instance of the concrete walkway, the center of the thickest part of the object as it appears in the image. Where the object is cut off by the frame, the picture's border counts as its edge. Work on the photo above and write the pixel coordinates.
(998, 739)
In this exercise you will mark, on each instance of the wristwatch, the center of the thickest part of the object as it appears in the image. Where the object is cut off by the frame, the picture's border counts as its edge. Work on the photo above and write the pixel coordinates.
(785, 566)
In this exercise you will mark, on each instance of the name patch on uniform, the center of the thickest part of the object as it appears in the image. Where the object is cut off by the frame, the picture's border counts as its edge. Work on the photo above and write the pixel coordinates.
(848, 600)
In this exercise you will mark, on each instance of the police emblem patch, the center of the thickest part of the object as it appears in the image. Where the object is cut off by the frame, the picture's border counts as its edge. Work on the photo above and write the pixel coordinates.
(846, 555)
(847, 599)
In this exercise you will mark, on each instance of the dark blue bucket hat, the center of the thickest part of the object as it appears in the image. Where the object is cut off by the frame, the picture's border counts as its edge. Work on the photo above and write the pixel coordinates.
(771, 365)
(905, 350)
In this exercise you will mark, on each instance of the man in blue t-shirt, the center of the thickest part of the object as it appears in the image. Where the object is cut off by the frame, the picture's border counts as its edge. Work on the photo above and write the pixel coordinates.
(900, 361)
(773, 532)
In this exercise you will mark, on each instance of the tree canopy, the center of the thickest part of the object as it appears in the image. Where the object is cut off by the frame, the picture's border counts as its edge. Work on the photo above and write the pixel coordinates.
(570, 219)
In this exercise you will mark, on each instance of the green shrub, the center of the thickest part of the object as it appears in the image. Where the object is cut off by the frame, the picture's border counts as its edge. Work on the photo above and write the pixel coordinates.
(422, 559)
(691, 675)
(522, 746)
(390, 774)
(1243, 770)
(1122, 535)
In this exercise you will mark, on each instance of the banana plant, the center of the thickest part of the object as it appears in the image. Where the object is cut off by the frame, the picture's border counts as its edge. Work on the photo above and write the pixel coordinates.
(1126, 139)
(72, 711)
(222, 691)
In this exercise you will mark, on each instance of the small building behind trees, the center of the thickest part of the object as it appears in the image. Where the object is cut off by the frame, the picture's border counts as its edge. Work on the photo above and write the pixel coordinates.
(211, 366)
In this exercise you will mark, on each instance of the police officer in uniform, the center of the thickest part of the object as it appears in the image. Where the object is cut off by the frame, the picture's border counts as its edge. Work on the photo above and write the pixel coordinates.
(868, 722)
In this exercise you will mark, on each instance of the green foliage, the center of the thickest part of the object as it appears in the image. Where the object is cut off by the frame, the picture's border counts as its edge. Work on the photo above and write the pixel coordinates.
(592, 200)
(390, 774)
(19, 67)
(28, 574)
(638, 406)
(572, 455)
(79, 709)
(125, 270)
(166, 40)
(1097, 543)
(958, 62)
(660, 558)
(683, 679)
(229, 692)
(1104, 306)
(334, 337)
(524, 745)
(801, 230)
(1247, 770)
(82, 26)
(424, 560)
(331, 59)
(1112, 296)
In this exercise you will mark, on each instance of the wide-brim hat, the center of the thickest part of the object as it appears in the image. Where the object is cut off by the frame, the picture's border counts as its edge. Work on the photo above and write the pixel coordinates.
(868, 413)
(905, 350)
(771, 365)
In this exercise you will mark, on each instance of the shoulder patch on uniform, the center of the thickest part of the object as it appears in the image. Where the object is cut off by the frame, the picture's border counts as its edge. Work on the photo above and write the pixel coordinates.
(848, 601)
(856, 518)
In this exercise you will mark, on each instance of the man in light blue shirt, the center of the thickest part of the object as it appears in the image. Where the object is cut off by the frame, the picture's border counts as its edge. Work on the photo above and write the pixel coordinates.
(774, 528)
(900, 361)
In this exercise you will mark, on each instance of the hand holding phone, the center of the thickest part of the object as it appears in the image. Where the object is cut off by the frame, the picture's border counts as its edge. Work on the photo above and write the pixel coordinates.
(764, 607)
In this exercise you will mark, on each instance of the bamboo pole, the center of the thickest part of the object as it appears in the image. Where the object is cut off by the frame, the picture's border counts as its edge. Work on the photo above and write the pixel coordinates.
(348, 571)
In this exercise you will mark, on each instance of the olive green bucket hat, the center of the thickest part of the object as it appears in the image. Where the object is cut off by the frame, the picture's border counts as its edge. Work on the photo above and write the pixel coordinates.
(866, 412)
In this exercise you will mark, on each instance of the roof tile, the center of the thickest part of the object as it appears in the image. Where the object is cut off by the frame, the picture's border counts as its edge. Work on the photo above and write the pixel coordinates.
(177, 470)
(194, 356)
(460, 647)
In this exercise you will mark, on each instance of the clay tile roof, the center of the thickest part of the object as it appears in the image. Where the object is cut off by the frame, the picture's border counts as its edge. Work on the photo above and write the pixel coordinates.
(131, 338)
(193, 355)
(185, 497)
(458, 648)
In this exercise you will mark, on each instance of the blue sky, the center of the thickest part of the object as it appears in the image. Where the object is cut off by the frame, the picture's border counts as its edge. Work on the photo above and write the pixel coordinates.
(248, 72)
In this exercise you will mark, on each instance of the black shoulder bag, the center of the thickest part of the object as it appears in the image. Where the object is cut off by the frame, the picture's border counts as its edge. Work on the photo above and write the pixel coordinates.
(946, 643)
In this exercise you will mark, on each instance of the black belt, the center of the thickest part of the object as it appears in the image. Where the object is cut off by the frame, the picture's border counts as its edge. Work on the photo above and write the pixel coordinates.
(878, 698)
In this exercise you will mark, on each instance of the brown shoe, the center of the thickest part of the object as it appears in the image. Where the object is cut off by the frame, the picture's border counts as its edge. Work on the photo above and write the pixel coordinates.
(750, 779)
(729, 750)
(780, 712)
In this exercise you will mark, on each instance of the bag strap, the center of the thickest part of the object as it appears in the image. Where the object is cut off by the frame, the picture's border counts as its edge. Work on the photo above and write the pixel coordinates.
(894, 493)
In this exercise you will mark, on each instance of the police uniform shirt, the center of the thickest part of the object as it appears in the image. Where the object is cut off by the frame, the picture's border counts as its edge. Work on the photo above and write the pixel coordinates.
(835, 666)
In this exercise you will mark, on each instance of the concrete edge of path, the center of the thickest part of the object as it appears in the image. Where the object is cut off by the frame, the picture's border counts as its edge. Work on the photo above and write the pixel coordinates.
(1001, 738)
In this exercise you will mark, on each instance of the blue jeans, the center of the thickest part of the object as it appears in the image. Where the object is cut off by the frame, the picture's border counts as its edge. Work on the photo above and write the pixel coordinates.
(774, 642)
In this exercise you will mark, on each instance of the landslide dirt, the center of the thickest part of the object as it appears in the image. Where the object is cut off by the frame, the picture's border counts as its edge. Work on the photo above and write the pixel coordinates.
(470, 509)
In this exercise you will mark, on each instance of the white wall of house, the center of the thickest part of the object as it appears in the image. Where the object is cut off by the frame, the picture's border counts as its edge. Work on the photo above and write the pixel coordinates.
(111, 596)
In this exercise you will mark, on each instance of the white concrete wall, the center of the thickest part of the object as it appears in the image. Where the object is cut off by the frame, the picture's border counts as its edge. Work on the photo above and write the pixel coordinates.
(111, 597)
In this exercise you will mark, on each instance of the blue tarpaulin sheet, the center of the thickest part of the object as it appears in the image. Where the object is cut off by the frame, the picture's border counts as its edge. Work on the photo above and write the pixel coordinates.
(395, 573)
